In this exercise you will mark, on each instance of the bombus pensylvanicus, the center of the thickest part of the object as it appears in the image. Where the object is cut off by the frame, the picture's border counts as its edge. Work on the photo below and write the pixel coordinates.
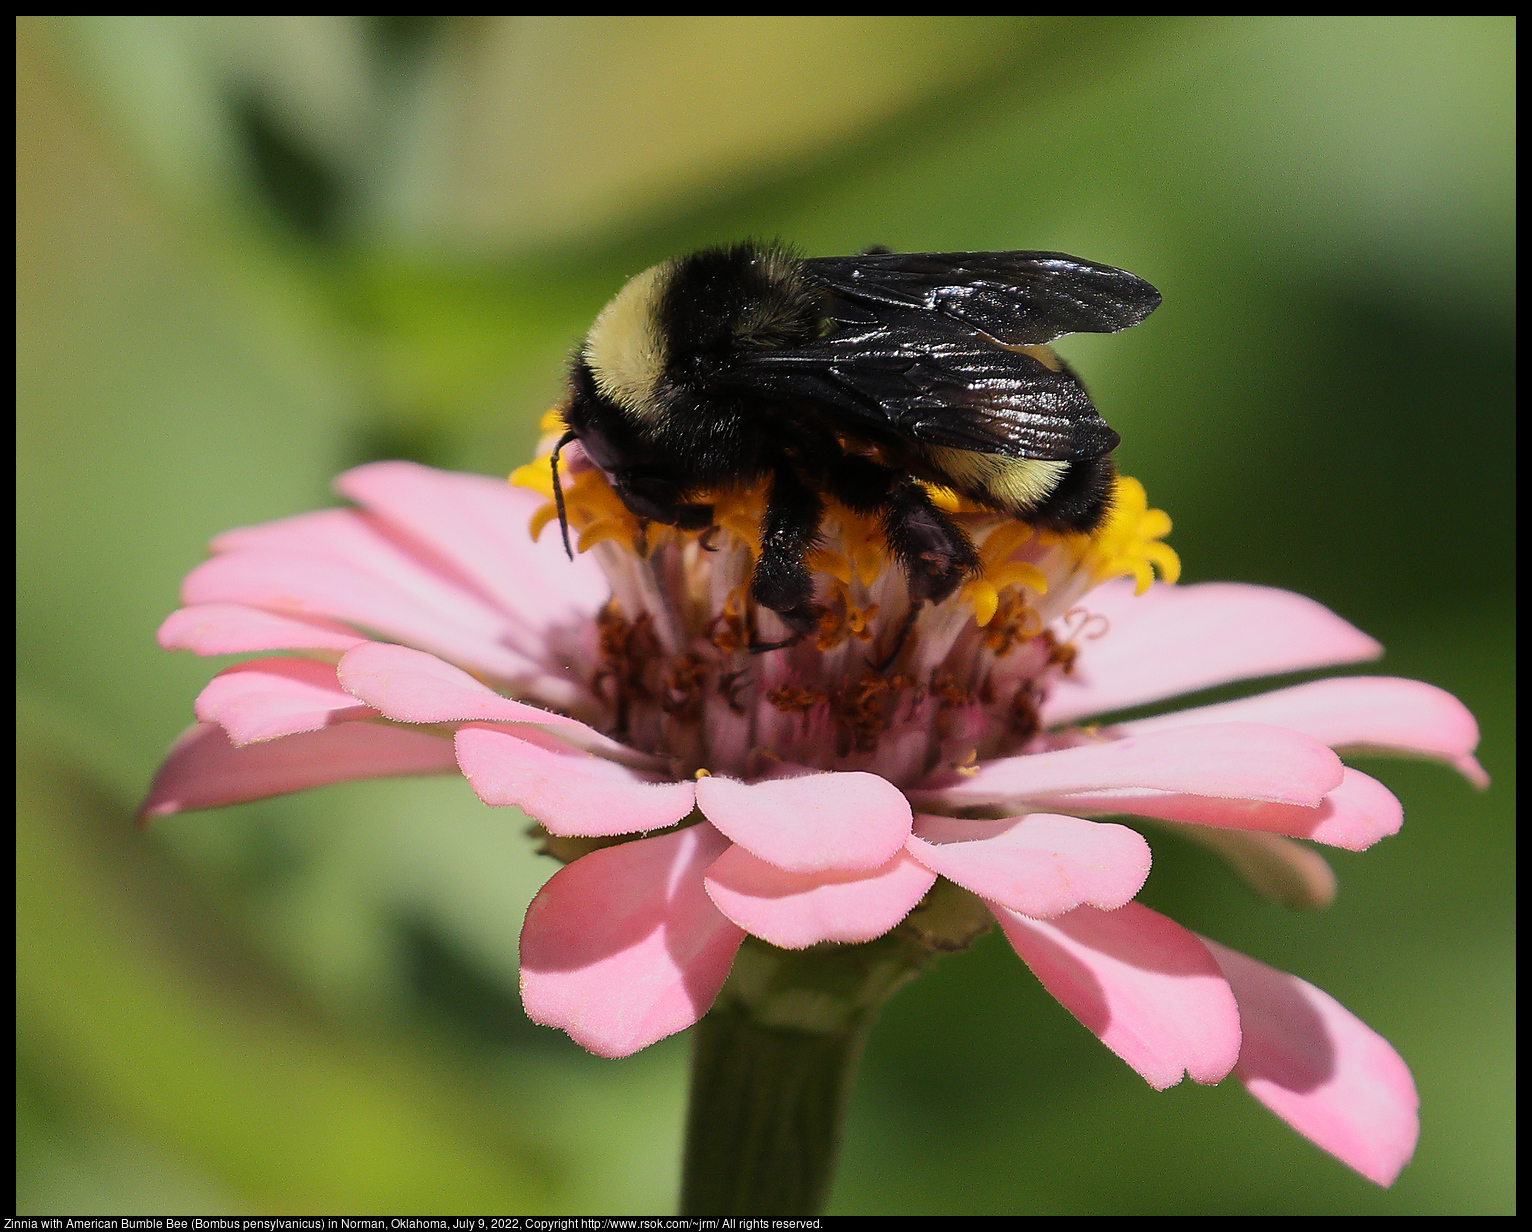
(854, 377)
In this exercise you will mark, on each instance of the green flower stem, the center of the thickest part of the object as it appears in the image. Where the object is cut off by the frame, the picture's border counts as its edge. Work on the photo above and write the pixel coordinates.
(766, 1114)
(773, 1060)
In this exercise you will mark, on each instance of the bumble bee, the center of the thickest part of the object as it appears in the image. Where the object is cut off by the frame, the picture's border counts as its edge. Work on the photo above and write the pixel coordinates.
(855, 377)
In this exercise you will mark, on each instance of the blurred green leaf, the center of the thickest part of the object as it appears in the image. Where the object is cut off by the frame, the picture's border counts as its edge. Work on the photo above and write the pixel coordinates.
(168, 1030)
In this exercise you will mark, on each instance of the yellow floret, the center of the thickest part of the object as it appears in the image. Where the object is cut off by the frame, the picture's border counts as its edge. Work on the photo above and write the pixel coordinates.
(1128, 543)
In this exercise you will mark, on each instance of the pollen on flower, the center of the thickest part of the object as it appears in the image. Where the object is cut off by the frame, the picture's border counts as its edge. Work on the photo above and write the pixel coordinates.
(966, 677)
(842, 618)
(1012, 624)
(792, 699)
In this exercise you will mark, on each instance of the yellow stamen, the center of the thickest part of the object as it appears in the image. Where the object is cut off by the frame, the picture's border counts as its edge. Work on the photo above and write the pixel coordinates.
(984, 598)
(541, 519)
(1127, 543)
(841, 619)
(862, 542)
(1004, 540)
(1018, 573)
(537, 475)
(824, 560)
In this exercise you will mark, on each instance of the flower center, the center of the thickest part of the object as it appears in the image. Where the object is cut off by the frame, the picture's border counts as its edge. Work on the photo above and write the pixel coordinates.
(676, 676)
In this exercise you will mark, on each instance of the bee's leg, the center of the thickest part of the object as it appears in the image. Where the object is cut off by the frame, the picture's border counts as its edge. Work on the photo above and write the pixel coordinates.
(937, 556)
(782, 580)
(931, 548)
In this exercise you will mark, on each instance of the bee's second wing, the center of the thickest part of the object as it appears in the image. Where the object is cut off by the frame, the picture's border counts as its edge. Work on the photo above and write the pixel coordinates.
(1020, 298)
(954, 390)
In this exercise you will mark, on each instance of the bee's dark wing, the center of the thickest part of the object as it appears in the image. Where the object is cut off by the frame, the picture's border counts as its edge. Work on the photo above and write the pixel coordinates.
(941, 388)
(1021, 298)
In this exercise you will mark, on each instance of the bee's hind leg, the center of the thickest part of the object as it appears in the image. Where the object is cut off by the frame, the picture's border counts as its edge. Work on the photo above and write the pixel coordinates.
(936, 554)
(931, 548)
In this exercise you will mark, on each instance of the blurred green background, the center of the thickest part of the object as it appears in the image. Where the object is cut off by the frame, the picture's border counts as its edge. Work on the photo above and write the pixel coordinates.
(254, 251)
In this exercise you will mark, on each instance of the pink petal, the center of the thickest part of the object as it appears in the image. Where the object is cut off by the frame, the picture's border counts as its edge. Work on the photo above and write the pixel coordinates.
(623, 947)
(794, 910)
(1145, 986)
(233, 628)
(1177, 639)
(1322, 1070)
(1233, 760)
(203, 770)
(410, 686)
(813, 823)
(568, 790)
(1354, 815)
(1358, 714)
(335, 564)
(477, 527)
(266, 698)
(1040, 865)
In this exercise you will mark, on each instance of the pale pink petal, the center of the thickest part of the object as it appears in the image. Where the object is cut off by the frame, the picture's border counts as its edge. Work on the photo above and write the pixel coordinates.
(807, 825)
(330, 533)
(1040, 865)
(1356, 714)
(794, 910)
(477, 527)
(353, 566)
(1177, 639)
(1145, 986)
(568, 790)
(410, 686)
(623, 947)
(1354, 815)
(266, 698)
(1233, 760)
(204, 770)
(295, 583)
(233, 628)
(1274, 867)
(1321, 1069)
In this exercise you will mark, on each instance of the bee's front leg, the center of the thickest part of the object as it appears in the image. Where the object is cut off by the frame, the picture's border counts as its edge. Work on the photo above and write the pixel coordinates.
(782, 581)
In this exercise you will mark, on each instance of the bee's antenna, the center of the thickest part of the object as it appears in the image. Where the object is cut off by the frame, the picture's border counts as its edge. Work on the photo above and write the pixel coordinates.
(558, 492)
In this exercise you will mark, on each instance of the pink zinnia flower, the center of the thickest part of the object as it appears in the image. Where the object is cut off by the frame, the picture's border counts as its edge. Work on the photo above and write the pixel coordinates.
(700, 793)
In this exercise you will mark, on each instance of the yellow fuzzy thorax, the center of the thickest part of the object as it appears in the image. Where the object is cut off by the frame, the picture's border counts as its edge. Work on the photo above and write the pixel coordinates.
(1128, 543)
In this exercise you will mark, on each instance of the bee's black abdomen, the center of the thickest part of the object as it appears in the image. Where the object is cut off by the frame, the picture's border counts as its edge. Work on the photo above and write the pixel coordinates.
(1081, 499)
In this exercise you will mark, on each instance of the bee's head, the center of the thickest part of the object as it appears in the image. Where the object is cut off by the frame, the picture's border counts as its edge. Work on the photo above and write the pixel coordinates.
(609, 429)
